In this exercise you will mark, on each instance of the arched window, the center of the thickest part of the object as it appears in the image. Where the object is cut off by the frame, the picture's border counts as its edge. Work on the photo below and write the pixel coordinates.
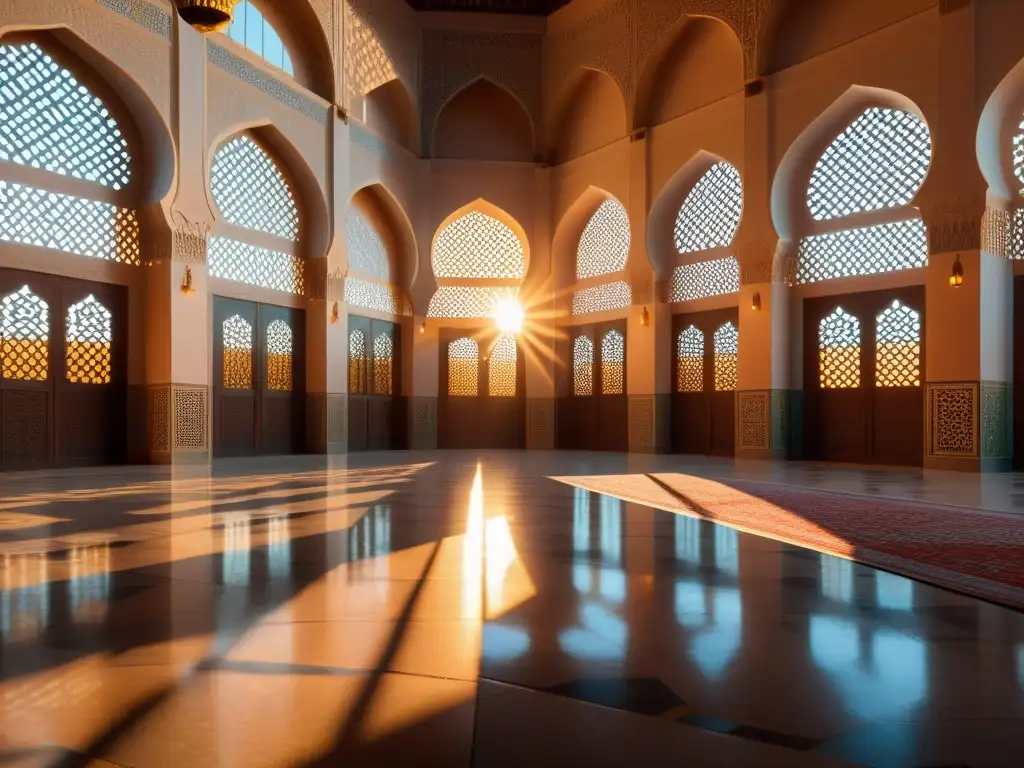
(875, 166)
(279, 357)
(501, 374)
(706, 223)
(478, 249)
(371, 281)
(383, 364)
(357, 362)
(603, 249)
(582, 366)
(898, 347)
(51, 122)
(237, 363)
(250, 29)
(463, 367)
(24, 336)
(254, 197)
(727, 350)
(613, 364)
(89, 336)
(690, 360)
(1017, 240)
(839, 351)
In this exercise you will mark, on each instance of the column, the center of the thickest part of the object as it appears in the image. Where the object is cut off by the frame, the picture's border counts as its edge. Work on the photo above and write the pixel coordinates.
(537, 343)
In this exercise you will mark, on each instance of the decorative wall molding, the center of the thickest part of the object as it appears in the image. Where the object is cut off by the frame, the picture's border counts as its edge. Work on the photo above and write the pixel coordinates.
(752, 429)
(189, 240)
(336, 285)
(996, 232)
(954, 227)
(602, 40)
(158, 406)
(656, 19)
(363, 137)
(315, 279)
(996, 420)
(757, 260)
(190, 408)
(641, 423)
(540, 423)
(146, 15)
(423, 423)
(337, 419)
(953, 419)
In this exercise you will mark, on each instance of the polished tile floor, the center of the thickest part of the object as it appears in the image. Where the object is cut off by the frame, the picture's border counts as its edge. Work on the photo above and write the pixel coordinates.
(457, 609)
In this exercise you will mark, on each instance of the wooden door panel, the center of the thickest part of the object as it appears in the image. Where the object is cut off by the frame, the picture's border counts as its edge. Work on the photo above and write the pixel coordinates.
(235, 424)
(723, 424)
(380, 423)
(691, 422)
(235, 410)
(25, 429)
(358, 423)
(898, 419)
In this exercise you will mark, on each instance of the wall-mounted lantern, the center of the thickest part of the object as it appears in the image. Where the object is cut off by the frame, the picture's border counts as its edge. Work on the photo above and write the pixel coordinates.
(423, 326)
(206, 15)
(957, 278)
(334, 313)
(645, 317)
(755, 301)
(186, 281)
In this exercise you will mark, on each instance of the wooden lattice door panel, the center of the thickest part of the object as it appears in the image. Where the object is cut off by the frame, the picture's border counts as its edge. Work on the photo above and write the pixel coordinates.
(374, 384)
(610, 387)
(281, 376)
(235, 359)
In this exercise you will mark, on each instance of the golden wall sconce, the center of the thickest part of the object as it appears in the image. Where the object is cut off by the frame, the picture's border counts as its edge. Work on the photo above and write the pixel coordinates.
(186, 281)
(957, 278)
(755, 302)
(206, 15)
(645, 317)
(334, 313)
(423, 326)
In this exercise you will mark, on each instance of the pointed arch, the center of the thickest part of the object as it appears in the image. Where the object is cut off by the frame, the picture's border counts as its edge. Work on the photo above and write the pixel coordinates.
(483, 120)
(391, 111)
(1000, 124)
(570, 229)
(589, 113)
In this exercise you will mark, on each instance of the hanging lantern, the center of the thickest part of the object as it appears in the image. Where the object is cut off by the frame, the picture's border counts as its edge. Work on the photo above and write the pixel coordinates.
(206, 15)
(957, 278)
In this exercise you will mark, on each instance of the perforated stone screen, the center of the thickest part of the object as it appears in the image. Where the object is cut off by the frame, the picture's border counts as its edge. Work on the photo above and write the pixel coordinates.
(463, 368)
(89, 337)
(50, 121)
(279, 357)
(478, 246)
(727, 350)
(357, 362)
(711, 212)
(455, 301)
(602, 297)
(705, 278)
(878, 162)
(501, 374)
(1018, 156)
(251, 191)
(24, 336)
(244, 263)
(898, 347)
(613, 364)
(604, 245)
(1017, 235)
(582, 366)
(378, 296)
(238, 344)
(866, 251)
(383, 364)
(839, 351)
(367, 254)
(69, 224)
(690, 360)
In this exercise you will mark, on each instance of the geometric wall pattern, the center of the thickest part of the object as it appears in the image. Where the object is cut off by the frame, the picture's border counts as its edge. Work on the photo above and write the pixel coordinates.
(279, 357)
(501, 364)
(373, 295)
(89, 337)
(727, 350)
(898, 347)
(613, 364)
(690, 360)
(238, 349)
(463, 367)
(478, 246)
(604, 244)
(251, 192)
(366, 252)
(710, 215)
(357, 362)
(839, 351)
(864, 251)
(244, 263)
(250, 29)
(602, 297)
(953, 419)
(1018, 157)
(878, 162)
(464, 301)
(582, 366)
(24, 336)
(705, 278)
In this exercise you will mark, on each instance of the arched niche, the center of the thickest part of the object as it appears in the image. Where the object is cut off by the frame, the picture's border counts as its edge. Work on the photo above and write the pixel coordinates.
(484, 121)
(589, 115)
(390, 111)
(565, 243)
(304, 36)
(999, 124)
(383, 211)
(699, 63)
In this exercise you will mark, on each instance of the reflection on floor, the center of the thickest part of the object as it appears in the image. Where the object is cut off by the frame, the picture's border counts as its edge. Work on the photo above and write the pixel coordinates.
(452, 609)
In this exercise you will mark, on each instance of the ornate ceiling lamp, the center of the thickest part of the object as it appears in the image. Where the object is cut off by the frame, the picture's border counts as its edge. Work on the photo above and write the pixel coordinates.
(206, 15)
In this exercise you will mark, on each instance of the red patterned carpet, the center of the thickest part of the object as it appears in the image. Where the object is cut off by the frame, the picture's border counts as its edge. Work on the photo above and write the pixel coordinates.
(969, 550)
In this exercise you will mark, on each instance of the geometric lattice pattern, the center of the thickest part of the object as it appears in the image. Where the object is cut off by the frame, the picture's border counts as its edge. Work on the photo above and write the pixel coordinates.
(1018, 156)
(357, 362)
(367, 254)
(705, 278)
(878, 162)
(865, 251)
(463, 367)
(478, 246)
(582, 366)
(372, 295)
(279, 357)
(710, 215)
(383, 364)
(953, 416)
(839, 351)
(90, 334)
(604, 244)
(898, 347)
(250, 29)
(50, 121)
(69, 224)
(501, 374)
(244, 263)
(613, 364)
(238, 347)
(465, 301)
(1017, 235)
(24, 336)
(727, 350)
(690, 360)
(602, 297)
(251, 192)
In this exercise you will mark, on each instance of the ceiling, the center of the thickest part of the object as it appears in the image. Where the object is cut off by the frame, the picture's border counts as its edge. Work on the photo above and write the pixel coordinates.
(531, 7)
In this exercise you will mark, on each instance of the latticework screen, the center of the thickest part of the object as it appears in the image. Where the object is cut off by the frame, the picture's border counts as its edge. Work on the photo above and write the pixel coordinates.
(367, 254)
(582, 366)
(279, 357)
(250, 190)
(839, 351)
(464, 301)
(878, 162)
(898, 347)
(867, 251)
(690, 360)
(727, 352)
(602, 297)
(613, 364)
(69, 224)
(238, 346)
(90, 334)
(24, 336)
(1017, 235)
(501, 375)
(478, 246)
(383, 364)
(710, 215)
(604, 244)
(357, 362)
(463, 367)
(250, 29)
(378, 296)
(705, 278)
(1018, 156)
(50, 121)
(244, 263)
